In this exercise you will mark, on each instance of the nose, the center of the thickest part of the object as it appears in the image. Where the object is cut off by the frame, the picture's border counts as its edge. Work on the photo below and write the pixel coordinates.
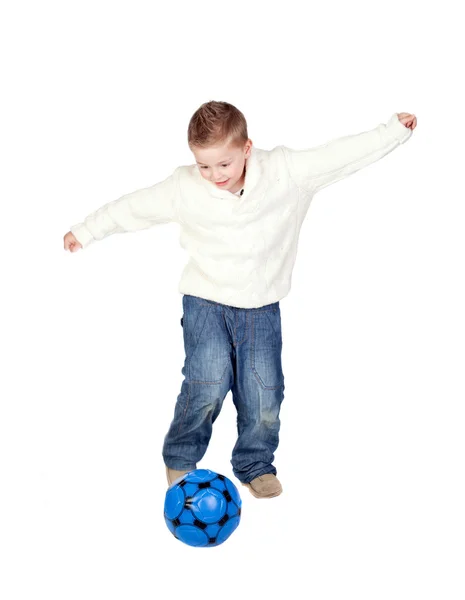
(217, 178)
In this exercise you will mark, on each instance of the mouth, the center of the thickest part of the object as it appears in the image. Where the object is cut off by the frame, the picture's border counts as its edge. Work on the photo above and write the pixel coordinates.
(222, 182)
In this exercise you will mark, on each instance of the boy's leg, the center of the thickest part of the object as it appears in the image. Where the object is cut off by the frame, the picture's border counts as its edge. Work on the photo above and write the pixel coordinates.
(208, 378)
(258, 391)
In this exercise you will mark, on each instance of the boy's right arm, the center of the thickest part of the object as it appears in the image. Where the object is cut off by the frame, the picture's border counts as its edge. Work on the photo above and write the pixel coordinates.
(132, 212)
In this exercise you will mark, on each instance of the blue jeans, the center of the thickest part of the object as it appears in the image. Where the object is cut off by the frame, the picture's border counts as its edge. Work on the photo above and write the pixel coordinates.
(228, 348)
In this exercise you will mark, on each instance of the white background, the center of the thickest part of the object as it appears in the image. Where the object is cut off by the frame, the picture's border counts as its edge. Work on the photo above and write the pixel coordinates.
(96, 101)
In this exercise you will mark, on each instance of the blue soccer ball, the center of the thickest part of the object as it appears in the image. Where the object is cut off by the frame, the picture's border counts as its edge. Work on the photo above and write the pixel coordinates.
(202, 508)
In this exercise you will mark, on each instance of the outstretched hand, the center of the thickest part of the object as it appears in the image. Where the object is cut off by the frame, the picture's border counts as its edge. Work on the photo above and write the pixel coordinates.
(408, 120)
(71, 243)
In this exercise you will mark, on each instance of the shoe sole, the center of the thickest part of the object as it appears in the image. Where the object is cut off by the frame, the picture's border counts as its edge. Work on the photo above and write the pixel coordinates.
(254, 493)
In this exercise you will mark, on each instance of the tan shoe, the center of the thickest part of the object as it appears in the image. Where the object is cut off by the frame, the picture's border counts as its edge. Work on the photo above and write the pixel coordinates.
(173, 474)
(265, 486)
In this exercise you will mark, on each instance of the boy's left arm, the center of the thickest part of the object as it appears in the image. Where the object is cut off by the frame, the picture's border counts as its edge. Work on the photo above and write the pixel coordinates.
(315, 168)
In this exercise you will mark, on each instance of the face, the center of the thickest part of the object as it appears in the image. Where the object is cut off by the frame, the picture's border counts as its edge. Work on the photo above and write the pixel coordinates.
(223, 163)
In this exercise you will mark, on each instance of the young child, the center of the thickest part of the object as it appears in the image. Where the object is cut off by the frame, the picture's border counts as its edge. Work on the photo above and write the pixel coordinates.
(240, 210)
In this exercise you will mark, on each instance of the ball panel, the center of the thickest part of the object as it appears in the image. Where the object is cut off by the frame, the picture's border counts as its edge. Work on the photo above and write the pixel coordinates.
(208, 505)
(191, 535)
(190, 489)
(212, 530)
(186, 517)
(174, 502)
(199, 476)
(227, 530)
(218, 484)
(233, 510)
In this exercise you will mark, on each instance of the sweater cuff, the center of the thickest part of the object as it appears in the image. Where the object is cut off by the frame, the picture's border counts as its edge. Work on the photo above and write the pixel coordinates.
(82, 234)
(398, 130)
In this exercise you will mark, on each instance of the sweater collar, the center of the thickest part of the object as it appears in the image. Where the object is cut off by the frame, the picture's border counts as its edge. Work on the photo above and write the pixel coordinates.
(252, 176)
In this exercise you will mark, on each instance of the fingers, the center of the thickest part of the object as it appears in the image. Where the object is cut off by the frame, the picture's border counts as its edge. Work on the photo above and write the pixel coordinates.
(71, 243)
(72, 246)
(408, 120)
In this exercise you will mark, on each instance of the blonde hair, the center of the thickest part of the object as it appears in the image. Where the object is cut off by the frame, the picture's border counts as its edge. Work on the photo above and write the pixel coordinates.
(214, 123)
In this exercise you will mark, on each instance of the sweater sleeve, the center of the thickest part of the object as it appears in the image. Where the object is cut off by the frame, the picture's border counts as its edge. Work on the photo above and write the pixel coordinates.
(315, 168)
(132, 212)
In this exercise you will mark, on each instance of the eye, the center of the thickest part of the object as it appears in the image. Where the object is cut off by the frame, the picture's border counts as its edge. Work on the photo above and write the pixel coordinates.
(221, 165)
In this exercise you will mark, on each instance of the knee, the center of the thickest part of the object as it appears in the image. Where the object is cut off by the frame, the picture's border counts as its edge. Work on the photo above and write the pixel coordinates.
(269, 419)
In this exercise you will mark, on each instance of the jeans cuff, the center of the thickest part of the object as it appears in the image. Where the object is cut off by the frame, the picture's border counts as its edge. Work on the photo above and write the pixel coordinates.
(248, 479)
(180, 466)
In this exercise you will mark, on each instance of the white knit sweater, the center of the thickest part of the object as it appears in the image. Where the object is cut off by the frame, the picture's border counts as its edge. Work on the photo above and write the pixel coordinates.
(242, 249)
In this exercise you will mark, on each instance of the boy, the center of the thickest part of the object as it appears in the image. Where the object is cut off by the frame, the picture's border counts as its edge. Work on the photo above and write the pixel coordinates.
(240, 210)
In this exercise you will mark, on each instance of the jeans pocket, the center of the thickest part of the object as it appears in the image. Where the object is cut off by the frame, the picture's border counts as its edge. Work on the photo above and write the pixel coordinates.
(266, 347)
(207, 353)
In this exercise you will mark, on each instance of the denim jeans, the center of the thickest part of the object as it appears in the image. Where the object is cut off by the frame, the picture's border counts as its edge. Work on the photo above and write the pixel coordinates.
(228, 348)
